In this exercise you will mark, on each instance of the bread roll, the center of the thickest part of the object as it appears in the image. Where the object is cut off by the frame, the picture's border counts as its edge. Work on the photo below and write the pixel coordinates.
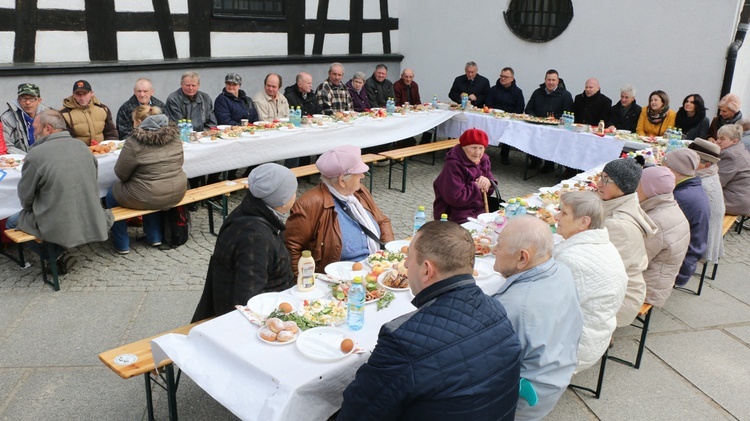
(267, 334)
(275, 324)
(285, 336)
(291, 326)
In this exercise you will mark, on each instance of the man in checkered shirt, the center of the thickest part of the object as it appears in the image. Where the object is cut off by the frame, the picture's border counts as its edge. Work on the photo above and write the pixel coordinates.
(332, 93)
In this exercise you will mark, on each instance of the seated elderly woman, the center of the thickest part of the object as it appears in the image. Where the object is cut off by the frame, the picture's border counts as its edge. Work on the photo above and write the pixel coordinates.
(691, 117)
(338, 220)
(667, 247)
(149, 172)
(250, 256)
(729, 113)
(358, 92)
(465, 178)
(628, 226)
(708, 172)
(597, 268)
(734, 170)
(656, 118)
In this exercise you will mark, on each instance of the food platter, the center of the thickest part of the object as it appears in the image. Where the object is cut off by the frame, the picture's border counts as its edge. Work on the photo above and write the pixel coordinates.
(11, 161)
(277, 343)
(340, 292)
(323, 344)
(383, 280)
(324, 312)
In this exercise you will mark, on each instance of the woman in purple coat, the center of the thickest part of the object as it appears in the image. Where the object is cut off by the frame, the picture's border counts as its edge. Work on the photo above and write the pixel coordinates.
(358, 92)
(465, 176)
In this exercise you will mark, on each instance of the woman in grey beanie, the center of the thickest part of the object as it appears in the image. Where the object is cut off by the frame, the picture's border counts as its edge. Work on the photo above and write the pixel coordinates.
(250, 256)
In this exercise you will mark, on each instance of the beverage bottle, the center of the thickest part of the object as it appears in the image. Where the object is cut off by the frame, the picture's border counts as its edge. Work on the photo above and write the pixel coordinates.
(600, 128)
(510, 210)
(188, 129)
(521, 210)
(464, 101)
(390, 106)
(355, 311)
(443, 217)
(306, 272)
(419, 220)
(181, 128)
(434, 102)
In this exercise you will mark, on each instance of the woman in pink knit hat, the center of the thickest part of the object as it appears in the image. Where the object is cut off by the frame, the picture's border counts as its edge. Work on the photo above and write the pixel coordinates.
(729, 113)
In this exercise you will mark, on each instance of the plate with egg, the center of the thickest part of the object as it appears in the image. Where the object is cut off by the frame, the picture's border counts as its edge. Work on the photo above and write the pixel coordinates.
(264, 304)
(325, 344)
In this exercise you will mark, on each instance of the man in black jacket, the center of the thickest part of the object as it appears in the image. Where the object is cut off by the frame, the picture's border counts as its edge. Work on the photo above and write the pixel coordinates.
(378, 88)
(506, 96)
(624, 115)
(549, 100)
(301, 95)
(591, 106)
(471, 83)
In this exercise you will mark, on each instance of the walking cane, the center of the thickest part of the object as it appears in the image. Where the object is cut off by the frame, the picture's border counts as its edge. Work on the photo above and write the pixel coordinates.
(486, 205)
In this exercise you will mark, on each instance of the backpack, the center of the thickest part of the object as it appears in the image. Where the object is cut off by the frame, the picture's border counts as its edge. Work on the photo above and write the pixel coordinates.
(176, 226)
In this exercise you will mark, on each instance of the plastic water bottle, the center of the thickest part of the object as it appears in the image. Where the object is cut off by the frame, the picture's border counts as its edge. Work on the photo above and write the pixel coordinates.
(443, 217)
(188, 130)
(434, 102)
(511, 208)
(521, 210)
(355, 311)
(390, 106)
(464, 101)
(181, 129)
(419, 220)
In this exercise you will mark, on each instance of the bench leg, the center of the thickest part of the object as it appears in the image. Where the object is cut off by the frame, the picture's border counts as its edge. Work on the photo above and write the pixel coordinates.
(20, 260)
(645, 320)
(713, 273)
(149, 397)
(52, 257)
(600, 381)
(403, 177)
(171, 392)
(370, 173)
(390, 172)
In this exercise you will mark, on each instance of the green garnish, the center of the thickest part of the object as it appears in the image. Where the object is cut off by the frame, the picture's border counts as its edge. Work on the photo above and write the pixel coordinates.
(372, 286)
(302, 322)
(385, 300)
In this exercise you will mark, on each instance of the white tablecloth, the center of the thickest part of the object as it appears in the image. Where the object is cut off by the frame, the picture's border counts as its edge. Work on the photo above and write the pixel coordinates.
(268, 146)
(257, 381)
(575, 150)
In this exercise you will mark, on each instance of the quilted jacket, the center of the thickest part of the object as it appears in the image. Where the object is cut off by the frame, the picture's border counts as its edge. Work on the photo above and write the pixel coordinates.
(601, 280)
(455, 358)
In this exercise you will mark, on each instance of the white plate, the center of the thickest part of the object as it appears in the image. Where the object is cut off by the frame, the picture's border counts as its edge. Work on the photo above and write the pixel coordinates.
(319, 115)
(381, 277)
(287, 129)
(208, 141)
(319, 126)
(248, 135)
(223, 127)
(263, 304)
(319, 291)
(277, 343)
(323, 343)
(102, 155)
(261, 123)
(343, 270)
(118, 143)
(396, 245)
(326, 278)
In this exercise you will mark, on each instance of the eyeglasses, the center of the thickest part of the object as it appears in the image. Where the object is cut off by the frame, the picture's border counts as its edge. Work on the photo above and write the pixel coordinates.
(28, 99)
(604, 180)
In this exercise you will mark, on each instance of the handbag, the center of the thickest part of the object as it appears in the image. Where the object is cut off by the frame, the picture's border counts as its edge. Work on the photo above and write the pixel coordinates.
(493, 202)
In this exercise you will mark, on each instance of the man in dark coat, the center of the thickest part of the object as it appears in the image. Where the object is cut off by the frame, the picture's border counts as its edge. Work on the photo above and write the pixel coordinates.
(143, 94)
(301, 95)
(591, 106)
(456, 357)
(506, 96)
(471, 83)
(233, 105)
(378, 88)
(624, 115)
(550, 99)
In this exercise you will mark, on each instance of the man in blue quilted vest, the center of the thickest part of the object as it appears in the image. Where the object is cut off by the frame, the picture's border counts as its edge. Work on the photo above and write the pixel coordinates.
(455, 358)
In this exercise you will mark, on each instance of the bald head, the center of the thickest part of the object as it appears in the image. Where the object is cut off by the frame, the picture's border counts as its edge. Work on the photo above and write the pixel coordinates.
(407, 76)
(523, 244)
(592, 87)
(304, 82)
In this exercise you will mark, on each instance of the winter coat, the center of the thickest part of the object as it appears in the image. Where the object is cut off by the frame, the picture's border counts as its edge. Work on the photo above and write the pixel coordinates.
(59, 193)
(628, 121)
(313, 225)
(149, 170)
(14, 128)
(647, 128)
(591, 109)
(456, 191)
(125, 114)
(200, 110)
(400, 89)
(309, 105)
(693, 201)
(600, 280)
(628, 227)
(230, 109)
(542, 103)
(378, 92)
(359, 99)
(712, 186)
(455, 358)
(508, 99)
(249, 258)
(734, 173)
(480, 87)
(699, 130)
(92, 122)
(542, 304)
(270, 109)
(666, 248)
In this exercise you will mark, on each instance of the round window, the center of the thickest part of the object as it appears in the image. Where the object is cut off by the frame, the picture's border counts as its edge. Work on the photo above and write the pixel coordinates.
(538, 20)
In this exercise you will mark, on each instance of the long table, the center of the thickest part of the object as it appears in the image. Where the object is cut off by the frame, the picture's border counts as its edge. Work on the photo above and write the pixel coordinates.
(266, 146)
(574, 150)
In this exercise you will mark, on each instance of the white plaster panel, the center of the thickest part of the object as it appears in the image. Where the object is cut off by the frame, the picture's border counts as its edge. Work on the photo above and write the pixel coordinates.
(372, 9)
(179, 6)
(138, 46)
(238, 44)
(61, 46)
(372, 43)
(338, 10)
(309, 39)
(7, 4)
(7, 40)
(311, 9)
(336, 44)
(182, 42)
(134, 6)
(62, 4)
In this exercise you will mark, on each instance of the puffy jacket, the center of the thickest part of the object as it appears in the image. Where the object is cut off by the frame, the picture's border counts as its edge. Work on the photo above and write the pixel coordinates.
(666, 248)
(591, 109)
(93, 121)
(455, 358)
(601, 280)
(230, 109)
(628, 226)
(456, 190)
(542, 103)
(693, 201)
(309, 105)
(508, 99)
(14, 128)
(628, 121)
(125, 114)
(149, 170)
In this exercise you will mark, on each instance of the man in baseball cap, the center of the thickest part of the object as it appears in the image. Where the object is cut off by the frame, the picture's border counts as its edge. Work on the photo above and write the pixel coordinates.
(17, 120)
(87, 118)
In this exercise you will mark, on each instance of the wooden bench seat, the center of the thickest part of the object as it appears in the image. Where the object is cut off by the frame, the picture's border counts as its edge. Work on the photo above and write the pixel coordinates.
(402, 155)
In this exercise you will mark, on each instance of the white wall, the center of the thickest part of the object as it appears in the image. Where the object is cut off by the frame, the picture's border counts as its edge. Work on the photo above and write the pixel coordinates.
(741, 82)
(651, 45)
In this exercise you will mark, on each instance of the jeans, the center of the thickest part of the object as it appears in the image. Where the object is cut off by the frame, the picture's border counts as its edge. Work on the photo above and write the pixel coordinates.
(152, 226)
(12, 220)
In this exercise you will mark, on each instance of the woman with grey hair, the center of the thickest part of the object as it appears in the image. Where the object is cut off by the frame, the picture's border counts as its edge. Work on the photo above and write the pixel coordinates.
(624, 115)
(356, 86)
(597, 268)
(734, 170)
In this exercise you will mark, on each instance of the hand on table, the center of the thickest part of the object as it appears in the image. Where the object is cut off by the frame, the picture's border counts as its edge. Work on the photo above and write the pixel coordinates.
(483, 183)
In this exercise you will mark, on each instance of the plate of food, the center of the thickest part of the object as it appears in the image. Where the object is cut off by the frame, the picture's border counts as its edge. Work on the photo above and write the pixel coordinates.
(385, 258)
(264, 304)
(277, 332)
(11, 161)
(398, 246)
(483, 245)
(322, 312)
(345, 270)
(394, 280)
(325, 344)
(114, 146)
(373, 291)
(100, 150)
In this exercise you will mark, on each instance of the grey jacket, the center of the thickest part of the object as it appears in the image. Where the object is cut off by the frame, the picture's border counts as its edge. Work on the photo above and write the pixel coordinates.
(200, 110)
(59, 193)
(14, 128)
(125, 114)
(734, 173)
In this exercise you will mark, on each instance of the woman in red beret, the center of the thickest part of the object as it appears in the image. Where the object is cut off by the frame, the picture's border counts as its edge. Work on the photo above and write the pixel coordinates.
(465, 177)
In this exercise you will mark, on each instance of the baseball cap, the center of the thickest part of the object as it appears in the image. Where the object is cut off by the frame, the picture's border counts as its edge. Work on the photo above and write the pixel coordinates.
(81, 85)
(29, 89)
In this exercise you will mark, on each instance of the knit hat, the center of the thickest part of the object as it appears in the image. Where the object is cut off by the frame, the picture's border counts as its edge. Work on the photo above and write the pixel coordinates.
(656, 181)
(272, 183)
(341, 160)
(474, 137)
(682, 161)
(731, 101)
(233, 78)
(29, 89)
(625, 173)
(154, 122)
(81, 85)
(706, 150)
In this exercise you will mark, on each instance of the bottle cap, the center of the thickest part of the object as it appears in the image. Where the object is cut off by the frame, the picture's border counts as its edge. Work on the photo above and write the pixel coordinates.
(306, 253)
(357, 280)
(421, 208)
(513, 200)
(443, 216)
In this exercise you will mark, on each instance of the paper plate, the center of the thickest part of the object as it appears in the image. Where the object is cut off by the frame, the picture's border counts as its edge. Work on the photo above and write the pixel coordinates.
(395, 246)
(343, 270)
(263, 304)
(323, 343)
(277, 343)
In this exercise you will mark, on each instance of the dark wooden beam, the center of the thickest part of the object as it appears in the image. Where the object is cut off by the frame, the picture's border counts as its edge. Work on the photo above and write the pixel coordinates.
(199, 27)
(342, 26)
(24, 47)
(356, 16)
(295, 24)
(321, 22)
(162, 19)
(386, 30)
(101, 30)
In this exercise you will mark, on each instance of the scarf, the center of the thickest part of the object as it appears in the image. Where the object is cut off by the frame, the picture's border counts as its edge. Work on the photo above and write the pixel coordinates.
(657, 119)
(282, 216)
(732, 120)
(685, 122)
(707, 172)
(360, 214)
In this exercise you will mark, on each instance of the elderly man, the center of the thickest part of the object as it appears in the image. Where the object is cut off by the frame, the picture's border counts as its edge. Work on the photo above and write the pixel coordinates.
(59, 180)
(143, 94)
(301, 95)
(694, 204)
(233, 105)
(18, 119)
(624, 115)
(271, 105)
(87, 118)
(378, 88)
(464, 361)
(189, 103)
(506, 96)
(597, 268)
(332, 94)
(472, 84)
(591, 106)
(549, 100)
(708, 172)
(406, 89)
(536, 293)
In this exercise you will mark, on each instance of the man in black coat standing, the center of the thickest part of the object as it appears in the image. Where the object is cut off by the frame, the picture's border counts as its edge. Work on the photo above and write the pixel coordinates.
(471, 83)
(506, 96)
(591, 106)
(549, 100)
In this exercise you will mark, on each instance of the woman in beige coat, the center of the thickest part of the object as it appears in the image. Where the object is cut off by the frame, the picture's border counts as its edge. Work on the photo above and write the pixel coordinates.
(628, 225)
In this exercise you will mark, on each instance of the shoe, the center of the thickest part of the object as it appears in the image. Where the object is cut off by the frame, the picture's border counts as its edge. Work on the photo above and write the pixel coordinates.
(380, 163)
(505, 160)
(69, 262)
(548, 167)
(144, 241)
(123, 252)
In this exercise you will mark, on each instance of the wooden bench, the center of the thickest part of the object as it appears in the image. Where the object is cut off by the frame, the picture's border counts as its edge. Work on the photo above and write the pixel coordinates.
(144, 365)
(311, 169)
(402, 155)
(644, 317)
